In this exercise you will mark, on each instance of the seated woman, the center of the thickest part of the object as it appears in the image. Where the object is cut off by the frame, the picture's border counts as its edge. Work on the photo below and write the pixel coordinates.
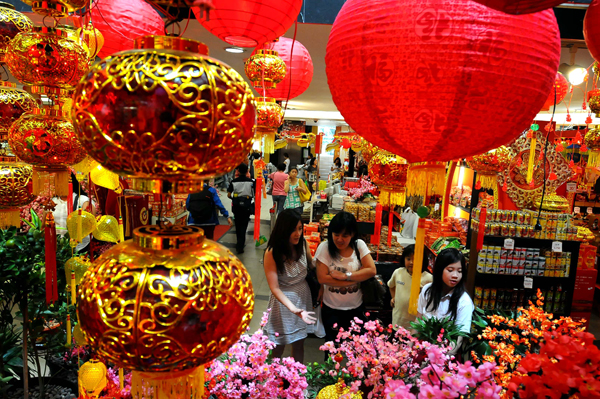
(446, 295)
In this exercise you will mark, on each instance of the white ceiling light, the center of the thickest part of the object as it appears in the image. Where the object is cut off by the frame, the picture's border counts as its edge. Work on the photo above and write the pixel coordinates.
(575, 74)
(235, 50)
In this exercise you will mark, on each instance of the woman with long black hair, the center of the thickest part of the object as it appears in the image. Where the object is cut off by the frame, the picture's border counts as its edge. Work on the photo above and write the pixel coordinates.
(286, 263)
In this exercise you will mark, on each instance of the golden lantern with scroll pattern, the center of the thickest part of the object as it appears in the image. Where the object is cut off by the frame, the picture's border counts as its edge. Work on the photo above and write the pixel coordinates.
(269, 116)
(165, 114)
(45, 138)
(11, 23)
(426, 179)
(592, 142)
(488, 165)
(15, 191)
(164, 304)
(13, 103)
(594, 101)
(47, 57)
(265, 69)
(389, 173)
(56, 8)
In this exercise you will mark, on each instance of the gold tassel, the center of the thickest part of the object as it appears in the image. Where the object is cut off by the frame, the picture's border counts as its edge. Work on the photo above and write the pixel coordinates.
(426, 179)
(68, 331)
(10, 217)
(488, 182)
(269, 145)
(267, 157)
(594, 159)
(393, 197)
(121, 378)
(61, 183)
(40, 181)
(531, 159)
(415, 287)
(187, 384)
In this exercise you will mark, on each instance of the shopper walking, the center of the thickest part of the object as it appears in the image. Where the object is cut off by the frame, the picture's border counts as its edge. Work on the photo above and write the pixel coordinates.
(286, 162)
(286, 264)
(279, 178)
(293, 187)
(241, 192)
(203, 210)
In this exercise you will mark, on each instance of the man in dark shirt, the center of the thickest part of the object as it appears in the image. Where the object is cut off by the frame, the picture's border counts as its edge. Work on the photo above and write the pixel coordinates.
(241, 191)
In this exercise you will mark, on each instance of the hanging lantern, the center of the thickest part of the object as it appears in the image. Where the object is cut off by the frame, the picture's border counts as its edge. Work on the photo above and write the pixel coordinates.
(592, 142)
(13, 103)
(594, 101)
(518, 7)
(413, 74)
(562, 86)
(389, 173)
(47, 57)
(91, 378)
(338, 390)
(265, 68)
(426, 179)
(56, 8)
(46, 139)
(107, 229)
(250, 23)
(488, 165)
(299, 69)
(122, 21)
(269, 116)
(591, 29)
(92, 38)
(166, 135)
(15, 192)
(77, 264)
(164, 304)
(11, 23)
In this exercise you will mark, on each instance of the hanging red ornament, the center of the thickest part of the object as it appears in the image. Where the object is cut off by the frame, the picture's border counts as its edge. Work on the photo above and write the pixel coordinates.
(50, 259)
(578, 137)
(569, 118)
(591, 29)
(541, 156)
(552, 176)
(520, 6)
(559, 147)
(427, 40)
(345, 143)
(571, 164)
(519, 161)
(250, 23)
(122, 21)
(583, 148)
(562, 86)
(588, 120)
(504, 187)
(299, 69)
(478, 185)
(529, 134)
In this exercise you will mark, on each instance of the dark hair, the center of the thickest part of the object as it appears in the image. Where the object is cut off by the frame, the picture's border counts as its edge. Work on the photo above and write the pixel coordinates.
(408, 251)
(285, 154)
(342, 222)
(338, 162)
(279, 242)
(281, 167)
(243, 169)
(294, 168)
(434, 293)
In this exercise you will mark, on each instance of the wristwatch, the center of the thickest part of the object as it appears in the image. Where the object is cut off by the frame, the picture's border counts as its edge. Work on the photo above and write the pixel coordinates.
(348, 276)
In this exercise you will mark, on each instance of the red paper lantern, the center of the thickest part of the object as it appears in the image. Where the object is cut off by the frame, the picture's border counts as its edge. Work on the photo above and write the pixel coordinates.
(562, 86)
(249, 23)
(121, 21)
(591, 29)
(299, 69)
(440, 80)
(345, 143)
(520, 6)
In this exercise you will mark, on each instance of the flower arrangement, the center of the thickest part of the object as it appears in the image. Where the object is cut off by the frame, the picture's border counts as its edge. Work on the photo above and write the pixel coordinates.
(113, 389)
(364, 188)
(393, 364)
(245, 371)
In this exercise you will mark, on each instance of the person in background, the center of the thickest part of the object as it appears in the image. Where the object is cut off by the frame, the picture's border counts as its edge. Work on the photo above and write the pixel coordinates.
(293, 187)
(363, 169)
(311, 171)
(279, 178)
(241, 192)
(446, 295)
(343, 262)
(203, 210)
(286, 264)
(286, 162)
(400, 285)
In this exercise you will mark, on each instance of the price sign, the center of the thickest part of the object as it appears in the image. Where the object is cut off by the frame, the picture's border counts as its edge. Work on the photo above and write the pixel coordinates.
(576, 210)
(590, 210)
(571, 187)
(436, 207)
(528, 283)
(556, 246)
(509, 243)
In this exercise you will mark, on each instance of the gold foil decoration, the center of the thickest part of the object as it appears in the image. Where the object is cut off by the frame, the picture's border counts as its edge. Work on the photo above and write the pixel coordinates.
(336, 391)
(426, 179)
(77, 264)
(269, 116)
(56, 8)
(265, 69)
(107, 229)
(80, 224)
(15, 191)
(592, 142)
(552, 203)
(11, 23)
(13, 103)
(92, 378)
(105, 178)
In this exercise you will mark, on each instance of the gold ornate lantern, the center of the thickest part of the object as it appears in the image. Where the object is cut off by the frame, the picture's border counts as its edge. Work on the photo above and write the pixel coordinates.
(426, 179)
(488, 165)
(11, 23)
(92, 38)
(13, 103)
(592, 142)
(265, 69)
(552, 203)
(15, 191)
(594, 101)
(269, 116)
(163, 304)
(336, 391)
(389, 173)
(91, 378)
(46, 139)
(47, 57)
(181, 118)
(56, 8)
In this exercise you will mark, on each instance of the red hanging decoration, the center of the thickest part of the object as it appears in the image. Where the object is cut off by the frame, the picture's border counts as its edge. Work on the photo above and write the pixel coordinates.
(583, 148)
(390, 226)
(569, 118)
(505, 187)
(571, 164)
(70, 198)
(121, 21)
(250, 23)
(478, 185)
(591, 29)
(552, 176)
(562, 86)
(376, 236)
(440, 103)
(481, 231)
(299, 69)
(559, 147)
(520, 6)
(257, 204)
(588, 120)
(50, 259)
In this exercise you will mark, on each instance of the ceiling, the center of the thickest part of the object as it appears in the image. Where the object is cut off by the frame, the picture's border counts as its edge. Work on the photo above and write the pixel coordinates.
(316, 106)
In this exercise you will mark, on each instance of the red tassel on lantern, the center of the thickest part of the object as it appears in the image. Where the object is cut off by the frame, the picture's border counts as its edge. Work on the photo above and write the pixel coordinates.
(70, 198)
(588, 120)
(583, 148)
(376, 236)
(50, 260)
(505, 187)
(257, 203)
(478, 185)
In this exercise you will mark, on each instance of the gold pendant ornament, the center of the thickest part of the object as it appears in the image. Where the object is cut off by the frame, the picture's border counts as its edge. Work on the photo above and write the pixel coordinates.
(11, 23)
(15, 191)
(265, 69)
(13, 103)
(269, 116)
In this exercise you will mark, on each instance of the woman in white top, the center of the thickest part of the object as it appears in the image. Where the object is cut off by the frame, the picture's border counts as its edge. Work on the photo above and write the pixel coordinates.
(446, 295)
(343, 262)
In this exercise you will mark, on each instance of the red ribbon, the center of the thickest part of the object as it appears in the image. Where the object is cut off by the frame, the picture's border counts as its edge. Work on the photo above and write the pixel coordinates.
(257, 201)
(377, 231)
(70, 198)
(481, 232)
(50, 258)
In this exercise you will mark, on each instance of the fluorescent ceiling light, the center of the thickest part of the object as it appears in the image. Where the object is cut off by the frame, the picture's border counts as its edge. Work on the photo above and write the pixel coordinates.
(235, 50)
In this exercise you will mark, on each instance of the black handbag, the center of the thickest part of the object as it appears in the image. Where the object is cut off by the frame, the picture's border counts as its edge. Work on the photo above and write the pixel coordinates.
(313, 285)
(374, 290)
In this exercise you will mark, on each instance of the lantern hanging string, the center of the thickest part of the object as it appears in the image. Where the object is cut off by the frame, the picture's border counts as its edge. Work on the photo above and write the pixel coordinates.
(287, 100)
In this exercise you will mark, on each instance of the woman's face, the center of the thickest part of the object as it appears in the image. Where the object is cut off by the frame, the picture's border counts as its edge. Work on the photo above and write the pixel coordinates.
(452, 274)
(296, 234)
(342, 240)
(408, 263)
(293, 173)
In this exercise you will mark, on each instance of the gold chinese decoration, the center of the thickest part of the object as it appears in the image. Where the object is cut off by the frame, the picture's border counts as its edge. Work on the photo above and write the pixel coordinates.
(91, 378)
(525, 194)
(265, 69)
(13, 103)
(552, 203)
(269, 116)
(426, 179)
(337, 391)
(77, 264)
(165, 114)
(11, 23)
(15, 191)
(592, 142)
(594, 101)
(488, 165)
(107, 229)
(92, 38)
(164, 304)
(56, 8)
(389, 173)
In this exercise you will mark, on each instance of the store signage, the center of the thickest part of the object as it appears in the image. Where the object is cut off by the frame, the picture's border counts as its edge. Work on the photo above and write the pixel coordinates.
(509, 243)
(528, 283)
(572, 187)
(556, 246)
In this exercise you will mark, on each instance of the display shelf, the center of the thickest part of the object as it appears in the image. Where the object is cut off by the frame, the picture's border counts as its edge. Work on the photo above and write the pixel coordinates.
(586, 204)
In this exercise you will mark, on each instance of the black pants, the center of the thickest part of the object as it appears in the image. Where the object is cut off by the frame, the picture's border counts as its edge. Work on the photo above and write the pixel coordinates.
(241, 219)
(340, 317)
(209, 230)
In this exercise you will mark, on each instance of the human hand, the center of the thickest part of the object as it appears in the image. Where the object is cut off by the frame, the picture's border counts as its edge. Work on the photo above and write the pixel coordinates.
(393, 302)
(307, 317)
(338, 275)
(230, 221)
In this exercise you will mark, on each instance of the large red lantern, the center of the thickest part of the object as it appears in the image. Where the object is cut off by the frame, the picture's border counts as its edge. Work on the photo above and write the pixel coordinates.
(520, 6)
(299, 69)
(389, 173)
(121, 21)
(562, 86)
(439, 80)
(249, 23)
(591, 29)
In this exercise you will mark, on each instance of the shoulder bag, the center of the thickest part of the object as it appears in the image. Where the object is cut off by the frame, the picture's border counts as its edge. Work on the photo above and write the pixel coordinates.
(304, 196)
